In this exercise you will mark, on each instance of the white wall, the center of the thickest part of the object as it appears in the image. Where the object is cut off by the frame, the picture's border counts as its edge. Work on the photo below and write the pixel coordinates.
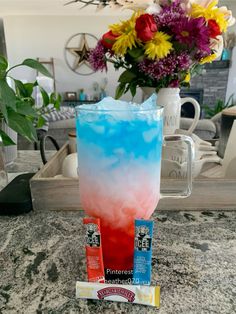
(231, 89)
(45, 37)
(232, 72)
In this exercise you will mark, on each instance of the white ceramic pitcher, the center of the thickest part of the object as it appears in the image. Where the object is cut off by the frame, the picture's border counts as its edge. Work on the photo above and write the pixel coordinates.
(170, 99)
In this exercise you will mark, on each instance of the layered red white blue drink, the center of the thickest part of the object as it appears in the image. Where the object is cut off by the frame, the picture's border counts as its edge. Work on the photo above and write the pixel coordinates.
(119, 160)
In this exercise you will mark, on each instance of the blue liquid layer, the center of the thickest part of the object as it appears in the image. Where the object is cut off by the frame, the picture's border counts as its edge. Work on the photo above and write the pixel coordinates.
(128, 139)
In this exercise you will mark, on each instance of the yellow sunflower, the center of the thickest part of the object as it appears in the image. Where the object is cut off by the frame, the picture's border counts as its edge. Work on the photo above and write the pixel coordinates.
(210, 12)
(159, 47)
(208, 59)
(127, 38)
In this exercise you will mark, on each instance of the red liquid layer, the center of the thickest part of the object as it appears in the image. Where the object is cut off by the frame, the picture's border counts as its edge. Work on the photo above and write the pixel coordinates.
(118, 247)
(118, 206)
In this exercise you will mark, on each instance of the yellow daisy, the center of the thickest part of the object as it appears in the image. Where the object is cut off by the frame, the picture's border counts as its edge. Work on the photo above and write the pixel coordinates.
(123, 43)
(187, 78)
(208, 59)
(211, 12)
(127, 38)
(159, 47)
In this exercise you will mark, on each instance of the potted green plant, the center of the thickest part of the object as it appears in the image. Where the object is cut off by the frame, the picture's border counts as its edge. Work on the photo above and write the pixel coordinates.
(18, 108)
(211, 111)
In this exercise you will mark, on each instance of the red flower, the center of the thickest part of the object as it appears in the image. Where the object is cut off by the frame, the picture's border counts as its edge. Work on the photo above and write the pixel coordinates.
(145, 27)
(108, 39)
(214, 29)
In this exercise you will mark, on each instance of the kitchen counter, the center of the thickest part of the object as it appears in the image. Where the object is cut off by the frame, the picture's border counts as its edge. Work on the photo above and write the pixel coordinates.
(42, 256)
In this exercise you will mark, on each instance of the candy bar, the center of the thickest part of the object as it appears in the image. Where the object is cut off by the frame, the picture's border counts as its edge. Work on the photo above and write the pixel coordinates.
(146, 295)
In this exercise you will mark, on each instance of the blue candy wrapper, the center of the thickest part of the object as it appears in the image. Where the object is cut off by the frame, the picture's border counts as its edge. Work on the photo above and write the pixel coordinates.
(143, 252)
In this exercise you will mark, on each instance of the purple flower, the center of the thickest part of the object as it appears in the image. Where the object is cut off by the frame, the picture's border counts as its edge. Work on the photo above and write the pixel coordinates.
(169, 15)
(168, 66)
(184, 61)
(192, 32)
(174, 83)
(200, 54)
(97, 58)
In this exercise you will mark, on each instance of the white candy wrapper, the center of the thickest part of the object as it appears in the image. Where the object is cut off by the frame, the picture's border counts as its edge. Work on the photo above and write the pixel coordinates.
(145, 295)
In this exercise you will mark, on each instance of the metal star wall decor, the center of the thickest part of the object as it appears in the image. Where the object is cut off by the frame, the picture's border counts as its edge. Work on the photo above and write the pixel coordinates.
(81, 53)
(77, 52)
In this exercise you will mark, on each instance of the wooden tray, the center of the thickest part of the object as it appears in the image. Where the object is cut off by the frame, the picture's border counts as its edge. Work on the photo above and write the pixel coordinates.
(49, 193)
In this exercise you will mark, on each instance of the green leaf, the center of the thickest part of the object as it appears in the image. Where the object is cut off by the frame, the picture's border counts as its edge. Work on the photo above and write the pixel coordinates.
(127, 77)
(120, 90)
(185, 84)
(41, 122)
(7, 95)
(126, 88)
(30, 87)
(136, 53)
(20, 88)
(3, 67)
(45, 96)
(229, 103)
(6, 140)
(22, 125)
(52, 98)
(24, 90)
(25, 108)
(55, 99)
(219, 106)
(34, 64)
(3, 63)
(3, 110)
(133, 88)
(208, 111)
(57, 105)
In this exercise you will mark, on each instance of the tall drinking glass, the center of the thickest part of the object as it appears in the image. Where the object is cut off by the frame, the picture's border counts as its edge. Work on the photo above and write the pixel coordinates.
(119, 164)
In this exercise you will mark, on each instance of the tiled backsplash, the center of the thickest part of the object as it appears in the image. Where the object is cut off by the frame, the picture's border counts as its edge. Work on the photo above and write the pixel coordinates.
(213, 81)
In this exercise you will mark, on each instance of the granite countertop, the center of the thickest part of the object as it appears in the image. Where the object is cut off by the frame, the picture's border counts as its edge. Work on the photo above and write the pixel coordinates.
(42, 256)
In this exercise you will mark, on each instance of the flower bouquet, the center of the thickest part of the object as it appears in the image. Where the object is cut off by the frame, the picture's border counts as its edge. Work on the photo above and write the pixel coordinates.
(163, 44)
